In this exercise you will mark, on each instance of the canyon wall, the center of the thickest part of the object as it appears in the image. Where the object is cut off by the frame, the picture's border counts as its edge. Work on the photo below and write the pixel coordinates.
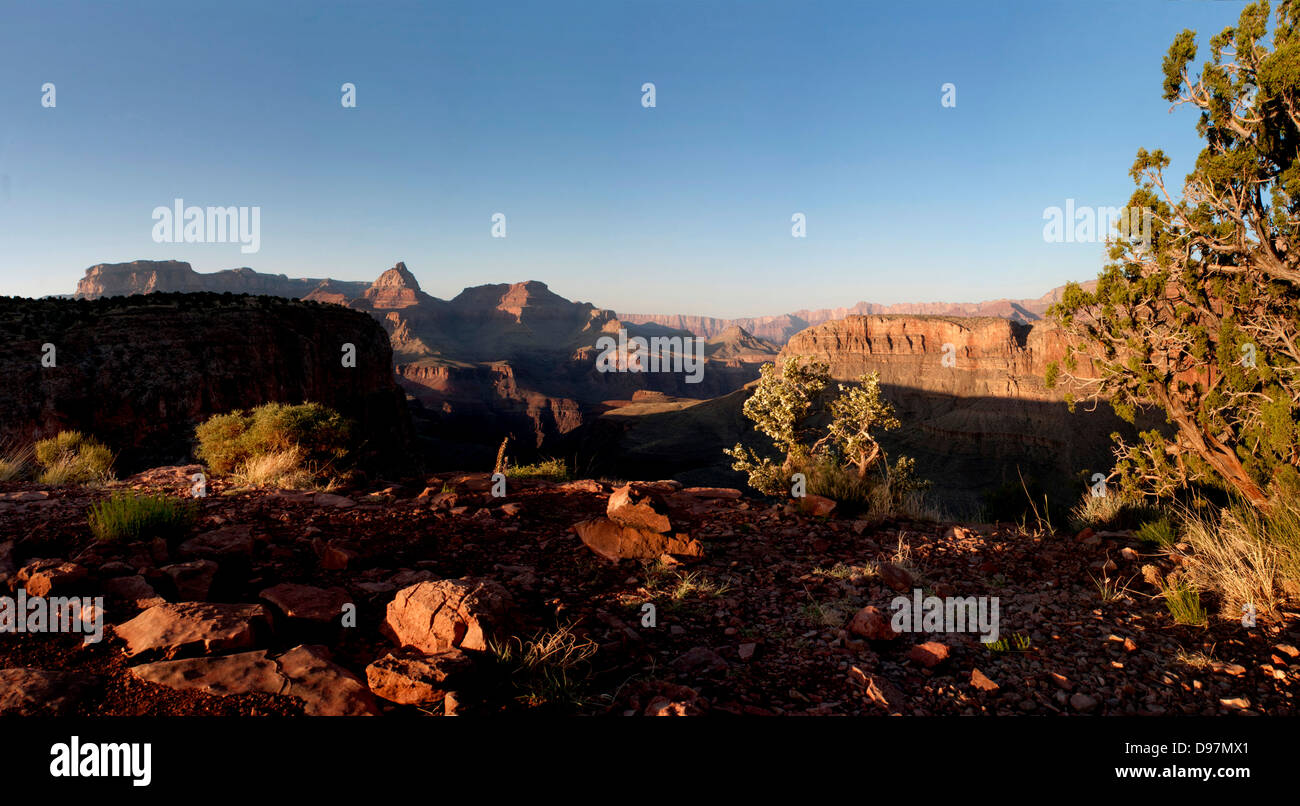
(140, 372)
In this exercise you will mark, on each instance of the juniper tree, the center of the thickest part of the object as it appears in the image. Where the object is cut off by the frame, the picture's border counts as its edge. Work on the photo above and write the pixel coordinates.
(787, 406)
(1203, 321)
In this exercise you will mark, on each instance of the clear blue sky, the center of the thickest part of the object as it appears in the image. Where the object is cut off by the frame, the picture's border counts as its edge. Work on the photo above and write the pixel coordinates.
(465, 109)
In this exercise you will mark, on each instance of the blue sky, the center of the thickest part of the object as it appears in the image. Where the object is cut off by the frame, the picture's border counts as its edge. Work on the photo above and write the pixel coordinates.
(534, 110)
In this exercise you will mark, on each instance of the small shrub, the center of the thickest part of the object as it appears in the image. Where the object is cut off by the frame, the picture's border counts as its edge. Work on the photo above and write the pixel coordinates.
(73, 458)
(130, 516)
(275, 443)
(1184, 602)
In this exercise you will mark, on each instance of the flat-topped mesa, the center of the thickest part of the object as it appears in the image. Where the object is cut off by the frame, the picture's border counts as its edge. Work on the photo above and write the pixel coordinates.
(151, 276)
(967, 357)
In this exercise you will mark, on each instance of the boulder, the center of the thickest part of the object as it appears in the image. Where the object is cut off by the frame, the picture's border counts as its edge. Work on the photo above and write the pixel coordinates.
(638, 509)
(415, 681)
(615, 542)
(433, 617)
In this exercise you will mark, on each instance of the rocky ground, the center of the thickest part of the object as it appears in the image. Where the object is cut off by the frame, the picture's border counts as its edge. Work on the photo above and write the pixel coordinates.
(438, 598)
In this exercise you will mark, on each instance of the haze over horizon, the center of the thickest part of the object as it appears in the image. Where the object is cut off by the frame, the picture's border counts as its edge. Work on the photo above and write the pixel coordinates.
(685, 208)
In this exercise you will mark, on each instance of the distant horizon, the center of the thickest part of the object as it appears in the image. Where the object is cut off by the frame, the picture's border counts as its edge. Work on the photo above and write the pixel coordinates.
(595, 303)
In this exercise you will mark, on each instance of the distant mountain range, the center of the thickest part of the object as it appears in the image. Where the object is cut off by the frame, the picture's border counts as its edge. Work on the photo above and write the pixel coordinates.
(779, 329)
(402, 291)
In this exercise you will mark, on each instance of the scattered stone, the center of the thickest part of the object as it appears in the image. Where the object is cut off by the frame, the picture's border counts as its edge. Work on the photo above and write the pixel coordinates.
(878, 691)
(871, 624)
(979, 681)
(817, 506)
(897, 578)
(746, 651)
(436, 616)
(930, 654)
(1235, 703)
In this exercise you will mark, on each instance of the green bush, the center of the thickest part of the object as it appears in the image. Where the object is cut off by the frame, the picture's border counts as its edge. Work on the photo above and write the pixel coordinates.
(130, 516)
(73, 458)
(318, 435)
(553, 469)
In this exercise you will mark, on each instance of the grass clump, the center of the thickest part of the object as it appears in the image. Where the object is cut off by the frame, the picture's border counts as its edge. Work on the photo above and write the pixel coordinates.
(14, 461)
(549, 670)
(131, 516)
(1184, 602)
(1245, 555)
(71, 457)
(1160, 532)
(276, 444)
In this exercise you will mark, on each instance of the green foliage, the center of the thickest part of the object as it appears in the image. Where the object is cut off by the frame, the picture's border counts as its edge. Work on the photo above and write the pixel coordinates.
(320, 436)
(1184, 602)
(552, 469)
(73, 458)
(130, 516)
(1203, 321)
(837, 458)
(1160, 532)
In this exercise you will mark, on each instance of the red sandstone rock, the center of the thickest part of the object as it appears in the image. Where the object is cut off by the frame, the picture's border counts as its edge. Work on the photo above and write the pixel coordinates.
(614, 542)
(436, 616)
(637, 509)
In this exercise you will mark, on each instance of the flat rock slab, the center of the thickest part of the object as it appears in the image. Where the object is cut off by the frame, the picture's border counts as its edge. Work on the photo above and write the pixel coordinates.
(307, 602)
(224, 542)
(325, 688)
(174, 628)
(615, 542)
(37, 692)
(305, 673)
(414, 681)
(436, 616)
(242, 673)
(331, 500)
(25, 495)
